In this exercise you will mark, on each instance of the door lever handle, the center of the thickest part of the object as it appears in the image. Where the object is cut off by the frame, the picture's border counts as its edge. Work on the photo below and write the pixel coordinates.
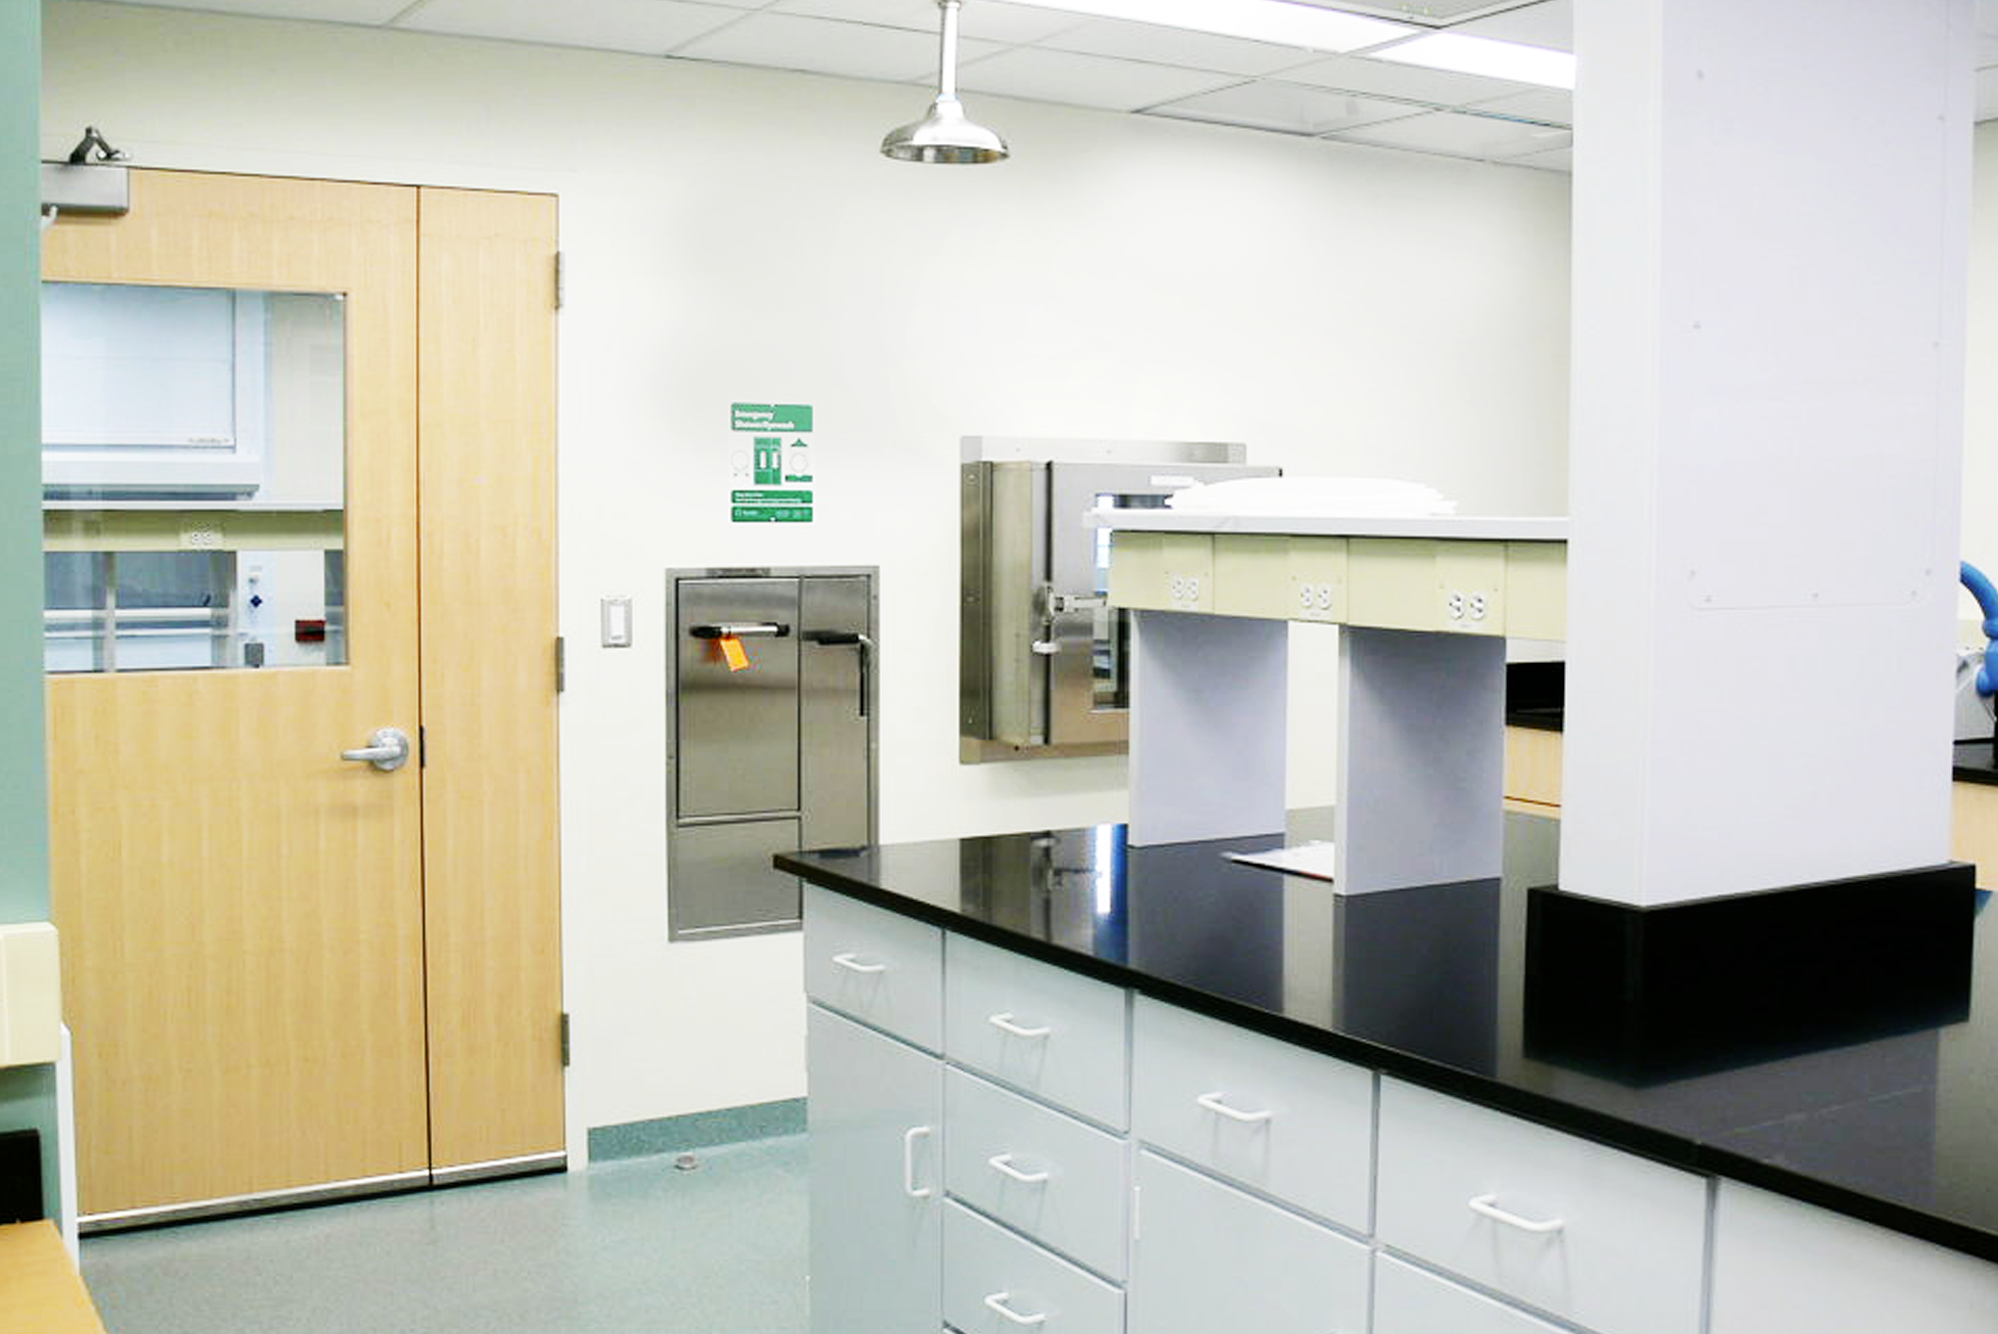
(387, 750)
(852, 639)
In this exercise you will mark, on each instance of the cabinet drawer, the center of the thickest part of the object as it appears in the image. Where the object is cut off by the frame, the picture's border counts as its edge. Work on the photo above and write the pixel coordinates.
(996, 1283)
(1055, 1034)
(882, 969)
(1032, 1168)
(1276, 1117)
(1782, 1264)
(1208, 1259)
(1410, 1301)
(1591, 1234)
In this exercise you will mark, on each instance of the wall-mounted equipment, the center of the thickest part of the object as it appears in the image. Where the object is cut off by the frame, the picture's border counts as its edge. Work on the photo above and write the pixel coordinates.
(88, 182)
(772, 737)
(945, 134)
(1043, 660)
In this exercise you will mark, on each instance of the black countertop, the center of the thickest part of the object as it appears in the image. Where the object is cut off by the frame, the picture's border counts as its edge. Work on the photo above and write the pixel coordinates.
(1897, 1124)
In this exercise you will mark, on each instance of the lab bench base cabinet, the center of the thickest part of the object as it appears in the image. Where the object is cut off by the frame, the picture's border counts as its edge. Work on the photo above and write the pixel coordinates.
(963, 1181)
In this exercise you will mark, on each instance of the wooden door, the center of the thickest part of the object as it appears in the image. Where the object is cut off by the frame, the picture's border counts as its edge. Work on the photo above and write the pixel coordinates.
(242, 910)
(492, 898)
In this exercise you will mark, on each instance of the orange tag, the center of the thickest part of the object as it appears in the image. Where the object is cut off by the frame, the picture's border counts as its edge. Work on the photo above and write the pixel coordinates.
(731, 648)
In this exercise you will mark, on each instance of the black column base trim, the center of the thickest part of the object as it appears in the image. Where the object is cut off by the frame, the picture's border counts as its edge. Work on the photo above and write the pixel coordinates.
(1644, 995)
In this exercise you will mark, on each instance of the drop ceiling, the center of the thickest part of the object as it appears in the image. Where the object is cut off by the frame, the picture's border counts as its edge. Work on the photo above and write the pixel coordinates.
(1115, 64)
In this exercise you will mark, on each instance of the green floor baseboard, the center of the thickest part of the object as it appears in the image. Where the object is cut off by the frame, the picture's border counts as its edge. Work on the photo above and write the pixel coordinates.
(698, 1130)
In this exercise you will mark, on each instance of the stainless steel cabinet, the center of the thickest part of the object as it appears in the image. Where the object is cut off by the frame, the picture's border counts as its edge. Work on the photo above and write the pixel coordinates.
(1042, 659)
(772, 737)
(876, 1120)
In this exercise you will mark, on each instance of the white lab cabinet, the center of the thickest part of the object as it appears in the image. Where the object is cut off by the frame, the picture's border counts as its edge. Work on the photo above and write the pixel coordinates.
(1783, 1265)
(876, 1121)
(1207, 1257)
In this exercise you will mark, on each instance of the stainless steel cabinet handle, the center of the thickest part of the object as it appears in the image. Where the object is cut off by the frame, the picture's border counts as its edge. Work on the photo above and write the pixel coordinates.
(851, 962)
(734, 630)
(1486, 1206)
(387, 750)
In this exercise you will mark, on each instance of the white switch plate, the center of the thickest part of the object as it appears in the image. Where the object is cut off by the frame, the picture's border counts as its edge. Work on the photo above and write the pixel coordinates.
(617, 622)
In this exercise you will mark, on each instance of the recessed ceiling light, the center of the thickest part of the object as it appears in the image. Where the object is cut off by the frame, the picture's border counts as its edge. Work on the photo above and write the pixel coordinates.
(1276, 21)
(1487, 56)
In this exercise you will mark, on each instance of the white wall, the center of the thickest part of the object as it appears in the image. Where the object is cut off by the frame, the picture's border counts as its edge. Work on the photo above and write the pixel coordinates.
(732, 235)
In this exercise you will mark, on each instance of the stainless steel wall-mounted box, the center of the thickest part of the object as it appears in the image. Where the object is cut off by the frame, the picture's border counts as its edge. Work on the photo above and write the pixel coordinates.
(771, 737)
(1041, 654)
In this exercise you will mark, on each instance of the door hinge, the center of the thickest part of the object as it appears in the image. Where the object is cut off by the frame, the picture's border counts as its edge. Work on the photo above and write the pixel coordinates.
(565, 1039)
(561, 664)
(422, 748)
(558, 280)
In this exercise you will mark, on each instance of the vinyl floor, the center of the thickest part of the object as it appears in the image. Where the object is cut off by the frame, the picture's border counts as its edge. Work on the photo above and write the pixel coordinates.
(636, 1246)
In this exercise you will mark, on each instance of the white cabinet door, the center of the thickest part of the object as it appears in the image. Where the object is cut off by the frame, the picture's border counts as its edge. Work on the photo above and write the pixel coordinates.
(882, 969)
(1057, 1180)
(1209, 1259)
(876, 1117)
(997, 1283)
(1408, 1300)
(1281, 1119)
(1055, 1034)
(1782, 1265)
(1597, 1236)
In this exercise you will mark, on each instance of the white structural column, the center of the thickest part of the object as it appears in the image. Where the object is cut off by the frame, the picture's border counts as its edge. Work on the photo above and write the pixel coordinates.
(1771, 213)
(1421, 759)
(1207, 727)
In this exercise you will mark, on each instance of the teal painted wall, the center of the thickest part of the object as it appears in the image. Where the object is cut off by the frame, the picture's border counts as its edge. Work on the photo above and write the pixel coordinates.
(27, 1096)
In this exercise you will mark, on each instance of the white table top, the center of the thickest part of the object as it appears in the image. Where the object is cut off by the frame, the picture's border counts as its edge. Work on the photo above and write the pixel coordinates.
(1468, 528)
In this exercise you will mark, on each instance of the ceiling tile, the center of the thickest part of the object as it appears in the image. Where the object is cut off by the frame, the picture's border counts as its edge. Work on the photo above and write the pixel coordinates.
(1178, 46)
(1284, 106)
(1556, 105)
(327, 11)
(989, 20)
(1354, 75)
(1551, 23)
(1089, 81)
(1434, 12)
(650, 27)
(858, 50)
(1461, 136)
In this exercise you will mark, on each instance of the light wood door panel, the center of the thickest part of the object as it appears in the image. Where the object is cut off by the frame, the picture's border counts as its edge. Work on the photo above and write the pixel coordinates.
(240, 909)
(492, 900)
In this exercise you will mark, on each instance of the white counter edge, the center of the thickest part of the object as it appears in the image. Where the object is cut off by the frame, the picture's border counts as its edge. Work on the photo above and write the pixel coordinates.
(1460, 527)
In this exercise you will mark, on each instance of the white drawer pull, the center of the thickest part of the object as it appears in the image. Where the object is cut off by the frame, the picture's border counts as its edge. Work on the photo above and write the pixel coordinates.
(1003, 1165)
(852, 963)
(1212, 1102)
(997, 1301)
(1486, 1206)
(909, 1139)
(1004, 1023)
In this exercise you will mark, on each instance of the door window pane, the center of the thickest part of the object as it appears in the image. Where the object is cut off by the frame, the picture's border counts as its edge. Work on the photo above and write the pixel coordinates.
(194, 478)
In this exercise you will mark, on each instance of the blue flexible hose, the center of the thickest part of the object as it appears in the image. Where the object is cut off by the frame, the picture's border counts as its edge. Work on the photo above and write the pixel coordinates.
(1986, 593)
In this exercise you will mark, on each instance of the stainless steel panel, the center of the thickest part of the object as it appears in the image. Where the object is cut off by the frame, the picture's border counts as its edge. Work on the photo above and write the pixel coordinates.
(720, 878)
(736, 733)
(1016, 569)
(837, 675)
(1086, 690)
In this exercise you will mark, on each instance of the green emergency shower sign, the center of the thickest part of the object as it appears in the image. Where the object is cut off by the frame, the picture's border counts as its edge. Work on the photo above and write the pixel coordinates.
(771, 478)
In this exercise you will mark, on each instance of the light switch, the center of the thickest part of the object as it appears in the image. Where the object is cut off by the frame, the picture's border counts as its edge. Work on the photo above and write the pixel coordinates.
(617, 622)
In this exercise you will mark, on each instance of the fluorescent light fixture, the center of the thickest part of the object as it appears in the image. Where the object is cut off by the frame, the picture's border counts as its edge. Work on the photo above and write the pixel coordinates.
(1277, 21)
(1487, 56)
